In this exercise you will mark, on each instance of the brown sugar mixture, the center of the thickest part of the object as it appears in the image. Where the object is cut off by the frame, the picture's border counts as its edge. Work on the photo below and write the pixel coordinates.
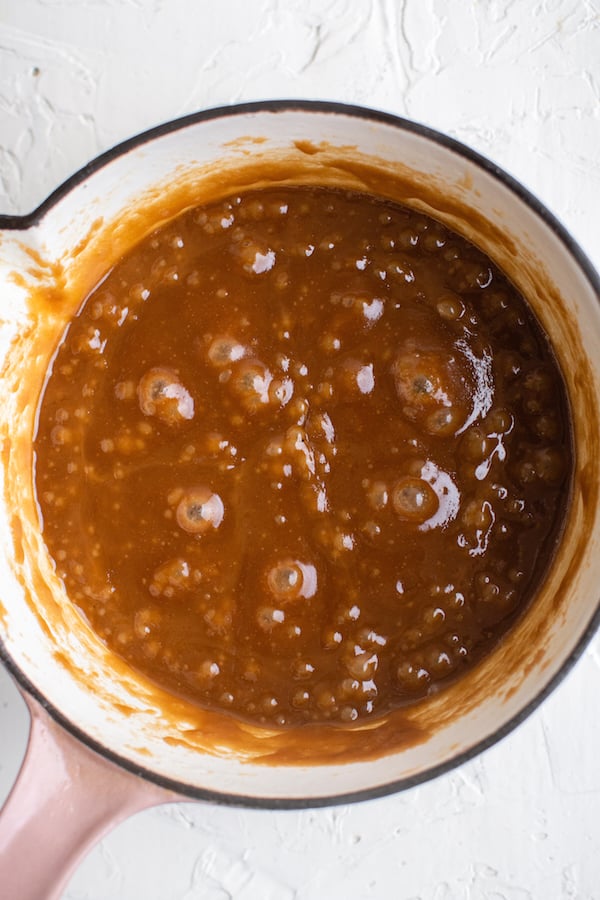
(303, 456)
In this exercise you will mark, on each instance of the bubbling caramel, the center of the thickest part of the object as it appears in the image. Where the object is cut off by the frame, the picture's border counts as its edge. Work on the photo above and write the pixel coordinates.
(303, 456)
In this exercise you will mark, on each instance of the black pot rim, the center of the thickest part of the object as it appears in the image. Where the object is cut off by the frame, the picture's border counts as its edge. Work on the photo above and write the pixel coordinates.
(188, 791)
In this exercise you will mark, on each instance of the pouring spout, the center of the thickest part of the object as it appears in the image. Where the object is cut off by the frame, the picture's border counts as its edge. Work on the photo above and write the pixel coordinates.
(65, 799)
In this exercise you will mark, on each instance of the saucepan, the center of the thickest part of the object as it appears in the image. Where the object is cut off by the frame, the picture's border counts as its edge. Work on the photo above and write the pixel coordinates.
(103, 741)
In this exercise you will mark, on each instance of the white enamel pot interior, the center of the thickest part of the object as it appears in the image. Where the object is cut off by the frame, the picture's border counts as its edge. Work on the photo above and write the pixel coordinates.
(51, 651)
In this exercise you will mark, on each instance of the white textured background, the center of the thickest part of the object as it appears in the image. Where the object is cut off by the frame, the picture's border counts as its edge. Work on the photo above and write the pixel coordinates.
(518, 80)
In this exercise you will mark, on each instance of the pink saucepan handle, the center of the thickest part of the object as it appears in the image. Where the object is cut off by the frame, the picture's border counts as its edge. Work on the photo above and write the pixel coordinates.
(65, 798)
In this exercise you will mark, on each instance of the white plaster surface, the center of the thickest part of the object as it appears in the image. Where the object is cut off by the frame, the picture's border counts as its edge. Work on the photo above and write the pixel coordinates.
(519, 80)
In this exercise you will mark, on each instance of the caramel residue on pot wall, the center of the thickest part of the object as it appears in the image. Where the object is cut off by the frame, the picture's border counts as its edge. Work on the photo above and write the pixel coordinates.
(62, 286)
(242, 143)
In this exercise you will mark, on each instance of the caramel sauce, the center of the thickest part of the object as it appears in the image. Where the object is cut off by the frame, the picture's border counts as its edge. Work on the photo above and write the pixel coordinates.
(302, 457)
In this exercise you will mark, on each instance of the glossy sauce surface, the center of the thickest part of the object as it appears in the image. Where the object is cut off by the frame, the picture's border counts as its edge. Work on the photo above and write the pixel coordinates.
(302, 456)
